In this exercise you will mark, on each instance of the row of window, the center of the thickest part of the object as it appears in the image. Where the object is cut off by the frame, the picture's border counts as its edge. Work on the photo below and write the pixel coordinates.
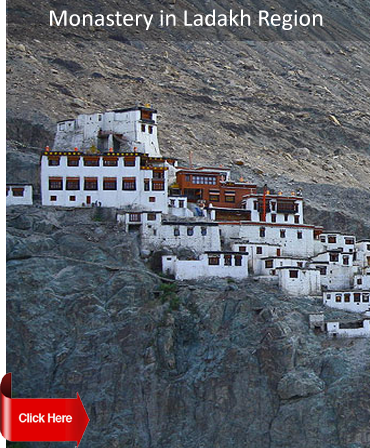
(332, 239)
(150, 129)
(189, 231)
(358, 297)
(92, 161)
(109, 183)
(205, 180)
(72, 198)
(214, 260)
(282, 233)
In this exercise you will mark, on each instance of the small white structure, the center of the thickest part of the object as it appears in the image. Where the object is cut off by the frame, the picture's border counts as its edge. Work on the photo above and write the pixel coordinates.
(198, 236)
(132, 129)
(211, 264)
(74, 179)
(257, 252)
(294, 240)
(350, 300)
(362, 281)
(178, 206)
(298, 281)
(136, 219)
(343, 329)
(276, 208)
(336, 269)
(317, 321)
(331, 241)
(363, 253)
(19, 194)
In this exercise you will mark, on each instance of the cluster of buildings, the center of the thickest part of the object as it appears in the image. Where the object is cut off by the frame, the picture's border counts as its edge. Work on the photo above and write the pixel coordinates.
(202, 222)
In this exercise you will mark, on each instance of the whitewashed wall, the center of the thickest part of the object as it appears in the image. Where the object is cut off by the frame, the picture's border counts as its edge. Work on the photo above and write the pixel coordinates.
(334, 330)
(196, 269)
(330, 299)
(307, 283)
(115, 198)
(25, 199)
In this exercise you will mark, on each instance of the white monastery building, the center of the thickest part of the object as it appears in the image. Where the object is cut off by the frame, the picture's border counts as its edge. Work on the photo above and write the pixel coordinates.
(206, 224)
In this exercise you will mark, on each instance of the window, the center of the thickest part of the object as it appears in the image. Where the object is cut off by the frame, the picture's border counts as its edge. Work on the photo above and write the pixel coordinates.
(158, 174)
(357, 297)
(349, 241)
(332, 239)
(187, 177)
(53, 198)
(347, 297)
(322, 270)
(299, 234)
(300, 264)
(242, 249)
(150, 129)
(151, 199)
(365, 297)
(293, 274)
(129, 183)
(110, 183)
(269, 264)
(172, 202)
(286, 217)
(91, 161)
(55, 183)
(273, 206)
(322, 239)
(99, 117)
(176, 232)
(346, 260)
(238, 260)
(262, 232)
(181, 203)
(282, 233)
(227, 260)
(134, 217)
(338, 298)
(62, 126)
(143, 128)
(278, 252)
(273, 218)
(190, 231)
(203, 231)
(146, 185)
(328, 296)
(152, 217)
(259, 250)
(206, 180)
(129, 161)
(146, 115)
(368, 247)
(359, 281)
(54, 161)
(110, 161)
(73, 183)
(214, 196)
(7, 190)
(213, 261)
(18, 191)
(334, 257)
(296, 219)
(255, 205)
(157, 185)
(90, 183)
(72, 198)
(73, 161)
(229, 196)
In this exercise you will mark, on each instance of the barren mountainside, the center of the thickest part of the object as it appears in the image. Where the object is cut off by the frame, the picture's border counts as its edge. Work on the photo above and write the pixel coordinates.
(295, 114)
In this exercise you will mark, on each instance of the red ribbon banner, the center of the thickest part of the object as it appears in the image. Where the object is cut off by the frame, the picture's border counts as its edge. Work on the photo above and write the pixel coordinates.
(40, 419)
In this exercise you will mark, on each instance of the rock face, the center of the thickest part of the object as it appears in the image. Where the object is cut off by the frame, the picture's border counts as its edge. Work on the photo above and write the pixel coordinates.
(207, 364)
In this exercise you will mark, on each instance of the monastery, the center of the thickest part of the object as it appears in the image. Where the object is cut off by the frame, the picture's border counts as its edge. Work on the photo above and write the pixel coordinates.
(204, 223)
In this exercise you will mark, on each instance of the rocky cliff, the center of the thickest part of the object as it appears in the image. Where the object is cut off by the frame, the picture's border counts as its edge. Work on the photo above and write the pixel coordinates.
(180, 365)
